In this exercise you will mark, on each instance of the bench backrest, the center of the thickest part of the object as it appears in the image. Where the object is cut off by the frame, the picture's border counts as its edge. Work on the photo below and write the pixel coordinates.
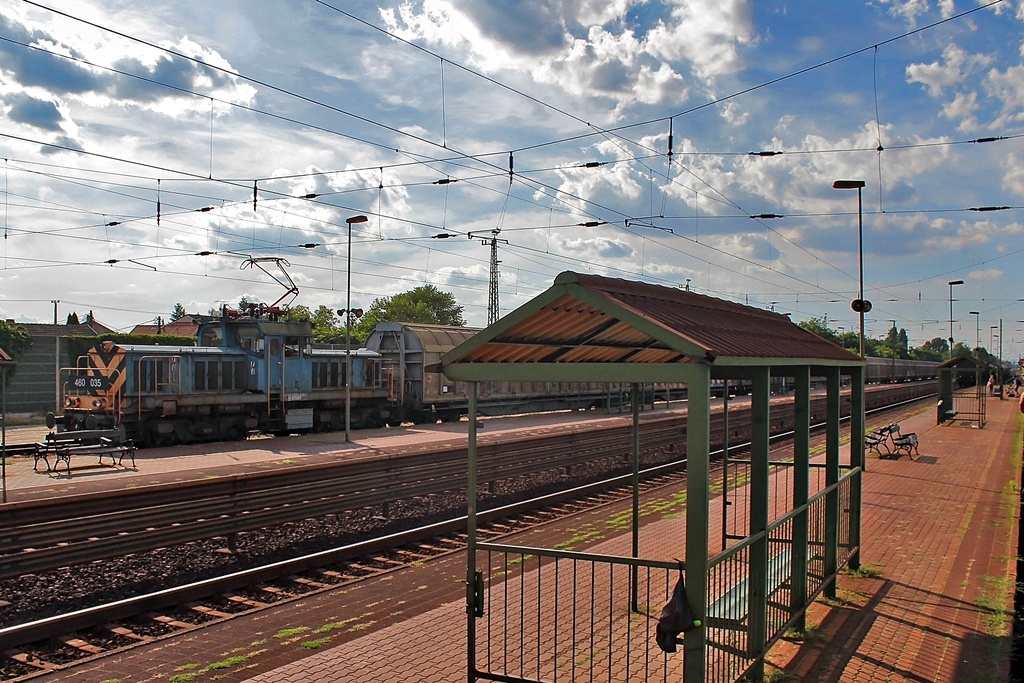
(84, 436)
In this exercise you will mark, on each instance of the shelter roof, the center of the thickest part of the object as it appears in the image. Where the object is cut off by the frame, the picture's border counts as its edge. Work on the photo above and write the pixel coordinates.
(963, 362)
(590, 319)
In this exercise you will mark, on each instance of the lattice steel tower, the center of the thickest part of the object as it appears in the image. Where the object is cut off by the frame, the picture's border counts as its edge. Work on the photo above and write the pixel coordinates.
(492, 289)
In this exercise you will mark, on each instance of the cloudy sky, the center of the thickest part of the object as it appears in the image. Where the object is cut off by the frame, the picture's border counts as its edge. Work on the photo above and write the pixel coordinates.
(149, 150)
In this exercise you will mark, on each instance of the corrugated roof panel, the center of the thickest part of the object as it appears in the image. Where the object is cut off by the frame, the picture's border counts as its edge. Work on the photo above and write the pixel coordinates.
(645, 324)
(723, 327)
(594, 354)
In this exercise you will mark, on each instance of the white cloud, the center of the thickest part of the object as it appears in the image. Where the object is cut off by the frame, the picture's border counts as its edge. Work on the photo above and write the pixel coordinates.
(1013, 174)
(988, 274)
(956, 67)
(1008, 88)
(705, 32)
(909, 10)
(962, 109)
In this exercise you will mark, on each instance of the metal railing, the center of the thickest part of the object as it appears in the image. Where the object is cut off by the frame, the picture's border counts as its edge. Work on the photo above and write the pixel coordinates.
(551, 615)
(733, 646)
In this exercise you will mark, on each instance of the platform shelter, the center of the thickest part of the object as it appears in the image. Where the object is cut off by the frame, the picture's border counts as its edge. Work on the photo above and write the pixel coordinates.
(550, 614)
(962, 392)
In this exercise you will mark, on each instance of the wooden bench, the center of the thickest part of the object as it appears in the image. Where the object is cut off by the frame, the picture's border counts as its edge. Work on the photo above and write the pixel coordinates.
(63, 445)
(730, 609)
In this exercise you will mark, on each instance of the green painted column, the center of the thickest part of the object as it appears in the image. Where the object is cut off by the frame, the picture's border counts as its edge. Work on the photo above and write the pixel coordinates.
(471, 505)
(760, 454)
(698, 448)
(801, 484)
(832, 434)
(634, 571)
(857, 459)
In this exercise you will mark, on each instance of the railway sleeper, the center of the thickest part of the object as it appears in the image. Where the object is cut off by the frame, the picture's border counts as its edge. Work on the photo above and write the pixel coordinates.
(125, 632)
(248, 602)
(80, 644)
(172, 622)
(31, 660)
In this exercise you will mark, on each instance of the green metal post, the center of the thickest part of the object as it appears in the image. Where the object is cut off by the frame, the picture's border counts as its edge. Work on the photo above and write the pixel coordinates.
(3, 431)
(698, 448)
(725, 464)
(760, 454)
(471, 541)
(832, 434)
(633, 571)
(801, 485)
(857, 427)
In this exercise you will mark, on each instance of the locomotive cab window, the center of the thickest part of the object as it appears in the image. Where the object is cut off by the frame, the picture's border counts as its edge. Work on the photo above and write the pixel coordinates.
(210, 338)
(249, 338)
(291, 347)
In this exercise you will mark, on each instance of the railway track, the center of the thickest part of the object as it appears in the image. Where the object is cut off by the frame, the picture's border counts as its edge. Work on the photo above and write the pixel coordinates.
(40, 535)
(103, 536)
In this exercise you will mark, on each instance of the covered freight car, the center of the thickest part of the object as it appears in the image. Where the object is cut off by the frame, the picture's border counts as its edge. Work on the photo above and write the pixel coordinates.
(421, 394)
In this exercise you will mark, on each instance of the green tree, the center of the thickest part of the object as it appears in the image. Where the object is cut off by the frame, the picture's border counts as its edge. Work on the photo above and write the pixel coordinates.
(178, 312)
(819, 327)
(425, 304)
(327, 327)
(299, 314)
(14, 339)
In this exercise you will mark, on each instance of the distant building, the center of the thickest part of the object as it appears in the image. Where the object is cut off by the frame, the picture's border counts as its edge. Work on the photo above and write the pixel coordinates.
(185, 326)
(33, 387)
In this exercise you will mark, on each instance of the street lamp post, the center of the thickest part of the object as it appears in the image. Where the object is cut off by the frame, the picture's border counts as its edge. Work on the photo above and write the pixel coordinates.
(977, 328)
(348, 326)
(951, 283)
(860, 305)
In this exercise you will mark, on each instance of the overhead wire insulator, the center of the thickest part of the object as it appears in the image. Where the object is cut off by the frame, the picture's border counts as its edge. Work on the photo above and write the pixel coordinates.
(988, 208)
(768, 215)
(765, 153)
(670, 142)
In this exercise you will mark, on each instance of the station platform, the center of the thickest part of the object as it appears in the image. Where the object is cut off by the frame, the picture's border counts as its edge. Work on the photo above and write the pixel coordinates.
(933, 600)
(192, 462)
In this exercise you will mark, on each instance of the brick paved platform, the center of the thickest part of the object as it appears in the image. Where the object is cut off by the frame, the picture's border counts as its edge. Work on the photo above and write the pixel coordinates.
(931, 603)
(201, 461)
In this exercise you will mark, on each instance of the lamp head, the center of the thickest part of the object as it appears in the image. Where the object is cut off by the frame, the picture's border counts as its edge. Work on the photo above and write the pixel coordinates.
(356, 219)
(848, 184)
(955, 282)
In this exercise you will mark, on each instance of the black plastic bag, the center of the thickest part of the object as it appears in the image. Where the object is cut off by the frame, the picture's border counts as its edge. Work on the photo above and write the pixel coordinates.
(675, 617)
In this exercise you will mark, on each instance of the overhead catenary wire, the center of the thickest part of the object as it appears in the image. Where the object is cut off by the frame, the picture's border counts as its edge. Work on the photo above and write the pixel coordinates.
(254, 195)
